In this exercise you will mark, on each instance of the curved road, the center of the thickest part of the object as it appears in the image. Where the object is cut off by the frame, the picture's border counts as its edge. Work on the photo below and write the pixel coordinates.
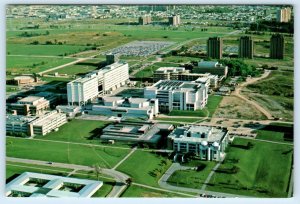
(256, 105)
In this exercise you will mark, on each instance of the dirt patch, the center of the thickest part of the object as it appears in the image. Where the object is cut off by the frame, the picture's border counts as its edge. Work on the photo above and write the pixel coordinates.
(234, 107)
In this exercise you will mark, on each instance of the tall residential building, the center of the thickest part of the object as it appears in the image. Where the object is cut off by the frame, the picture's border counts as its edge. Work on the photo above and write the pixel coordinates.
(277, 46)
(284, 15)
(174, 20)
(144, 20)
(214, 47)
(246, 47)
(178, 95)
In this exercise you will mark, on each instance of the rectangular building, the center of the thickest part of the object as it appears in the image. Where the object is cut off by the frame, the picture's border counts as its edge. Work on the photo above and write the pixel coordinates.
(277, 47)
(35, 125)
(144, 20)
(214, 47)
(30, 105)
(207, 142)
(284, 15)
(126, 107)
(246, 47)
(178, 95)
(174, 20)
(211, 67)
(82, 90)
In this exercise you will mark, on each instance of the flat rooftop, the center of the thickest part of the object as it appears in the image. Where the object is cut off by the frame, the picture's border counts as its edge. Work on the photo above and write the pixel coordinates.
(51, 186)
(30, 99)
(198, 133)
(19, 119)
(170, 85)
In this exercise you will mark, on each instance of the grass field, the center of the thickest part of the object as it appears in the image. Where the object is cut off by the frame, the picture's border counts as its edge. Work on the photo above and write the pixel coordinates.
(134, 191)
(210, 108)
(263, 171)
(145, 167)
(80, 131)
(51, 50)
(278, 132)
(25, 64)
(191, 178)
(63, 152)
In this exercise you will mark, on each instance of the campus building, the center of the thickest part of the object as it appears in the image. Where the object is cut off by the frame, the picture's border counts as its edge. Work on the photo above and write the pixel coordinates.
(82, 90)
(140, 132)
(31, 126)
(284, 15)
(214, 47)
(211, 67)
(112, 58)
(30, 105)
(144, 20)
(174, 20)
(178, 95)
(126, 107)
(277, 46)
(30, 184)
(246, 47)
(181, 74)
(99, 82)
(207, 142)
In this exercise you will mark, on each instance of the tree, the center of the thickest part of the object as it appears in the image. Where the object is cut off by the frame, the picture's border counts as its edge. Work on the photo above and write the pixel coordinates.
(128, 181)
(97, 170)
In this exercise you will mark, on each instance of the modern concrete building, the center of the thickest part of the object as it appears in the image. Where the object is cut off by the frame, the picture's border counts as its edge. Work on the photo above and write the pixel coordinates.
(178, 95)
(214, 47)
(141, 132)
(30, 105)
(181, 74)
(112, 58)
(82, 90)
(144, 20)
(277, 46)
(31, 126)
(111, 77)
(174, 20)
(207, 142)
(284, 15)
(23, 80)
(246, 47)
(211, 67)
(30, 184)
(126, 107)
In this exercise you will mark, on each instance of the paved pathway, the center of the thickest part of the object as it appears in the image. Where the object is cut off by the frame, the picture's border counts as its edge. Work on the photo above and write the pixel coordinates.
(128, 155)
(210, 175)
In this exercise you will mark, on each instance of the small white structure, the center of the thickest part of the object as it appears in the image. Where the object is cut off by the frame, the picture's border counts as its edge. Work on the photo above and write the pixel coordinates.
(178, 95)
(43, 185)
(207, 142)
(130, 107)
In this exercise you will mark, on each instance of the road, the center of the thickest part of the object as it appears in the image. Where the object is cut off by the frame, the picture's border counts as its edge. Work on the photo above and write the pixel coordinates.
(174, 167)
(253, 103)
(119, 177)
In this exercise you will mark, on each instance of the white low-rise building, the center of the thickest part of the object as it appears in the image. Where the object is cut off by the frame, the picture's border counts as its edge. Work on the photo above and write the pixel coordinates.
(207, 142)
(178, 95)
(126, 107)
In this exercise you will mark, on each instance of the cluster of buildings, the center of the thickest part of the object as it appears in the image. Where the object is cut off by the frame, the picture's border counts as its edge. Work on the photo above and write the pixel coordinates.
(246, 47)
(173, 20)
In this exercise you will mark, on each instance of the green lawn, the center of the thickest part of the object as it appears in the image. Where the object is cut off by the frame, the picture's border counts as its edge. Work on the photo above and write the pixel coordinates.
(134, 191)
(279, 132)
(212, 104)
(53, 50)
(270, 135)
(263, 170)
(63, 152)
(23, 64)
(191, 178)
(80, 131)
(145, 167)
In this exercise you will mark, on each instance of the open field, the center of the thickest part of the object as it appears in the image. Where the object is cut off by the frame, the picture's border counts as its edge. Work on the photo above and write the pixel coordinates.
(145, 167)
(64, 152)
(234, 107)
(134, 191)
(278, 132)
(275, 93)
(25, 64)
(261, 171)
(212, 104)
(80, 131)
(191, 178)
